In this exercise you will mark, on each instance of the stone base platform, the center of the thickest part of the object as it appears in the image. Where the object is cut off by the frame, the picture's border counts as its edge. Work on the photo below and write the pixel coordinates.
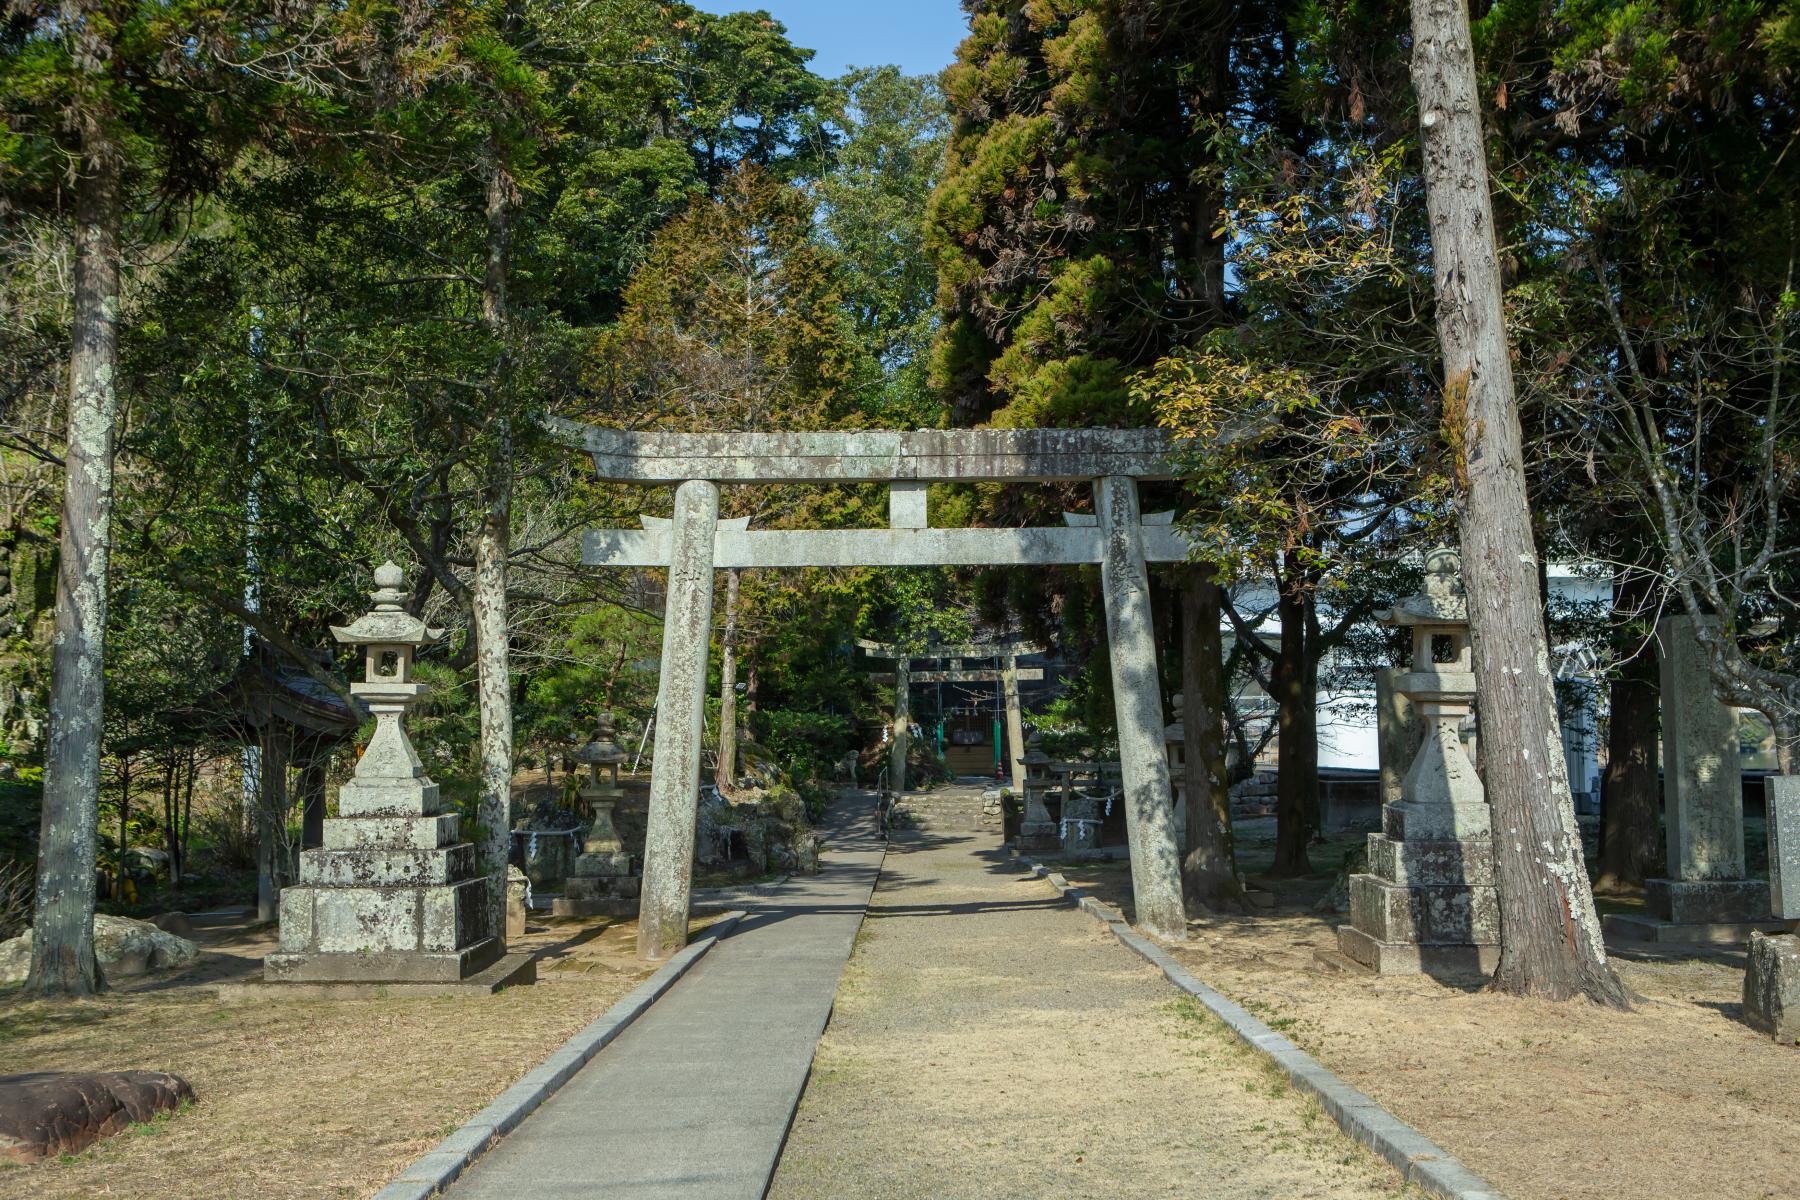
(1630, 927)
(1711, 901)
(510, 970)
(1449, 962)
(380, 966)
(595, 906)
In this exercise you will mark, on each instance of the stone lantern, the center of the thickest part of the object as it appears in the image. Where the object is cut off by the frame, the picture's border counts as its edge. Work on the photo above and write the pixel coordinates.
(602, 874)
(1428, 902)
(1175, 744)
(1037, 832)
(392, 895)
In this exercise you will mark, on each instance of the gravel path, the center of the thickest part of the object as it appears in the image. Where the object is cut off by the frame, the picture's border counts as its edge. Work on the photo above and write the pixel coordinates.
(989, 1041)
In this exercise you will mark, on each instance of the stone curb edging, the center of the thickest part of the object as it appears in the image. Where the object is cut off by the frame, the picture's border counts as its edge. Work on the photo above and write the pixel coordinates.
(434, 1170)
(1420, 1161)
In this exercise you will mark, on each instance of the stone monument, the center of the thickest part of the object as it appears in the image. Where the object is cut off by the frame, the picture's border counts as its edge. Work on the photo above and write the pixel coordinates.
(602, 875)
(1703, 803)
(392, 896)
(1428, 902)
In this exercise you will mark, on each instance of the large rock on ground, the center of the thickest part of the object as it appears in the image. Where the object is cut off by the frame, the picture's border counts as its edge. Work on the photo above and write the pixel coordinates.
(47, 1113)
(124, 947)
(1772, 986)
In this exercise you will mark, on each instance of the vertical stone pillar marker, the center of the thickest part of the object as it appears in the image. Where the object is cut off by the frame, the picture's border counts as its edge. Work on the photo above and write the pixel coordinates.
(1703, 807)
(1429, 902)
(1397, 732)
(1015, 720)
(1149, 812)
(680, 723)
(902, 727)
(392, 896)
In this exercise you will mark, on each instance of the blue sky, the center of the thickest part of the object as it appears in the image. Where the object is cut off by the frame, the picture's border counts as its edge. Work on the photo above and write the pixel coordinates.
(919, 35)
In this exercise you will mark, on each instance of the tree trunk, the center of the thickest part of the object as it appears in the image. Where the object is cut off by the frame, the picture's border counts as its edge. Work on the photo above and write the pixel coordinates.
(493, 542)
(725, 775)
(1551, 944)
(1297, 773)
(172, 818)
(1208, 868)
(62, 947)
(1630, 838)
(312, 802)
(271, 819)
(118, 888)
(187, 805)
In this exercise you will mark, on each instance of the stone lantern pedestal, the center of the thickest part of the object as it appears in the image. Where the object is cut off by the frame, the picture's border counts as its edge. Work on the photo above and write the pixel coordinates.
(392, 895)
(602, 877)
(1428, 902)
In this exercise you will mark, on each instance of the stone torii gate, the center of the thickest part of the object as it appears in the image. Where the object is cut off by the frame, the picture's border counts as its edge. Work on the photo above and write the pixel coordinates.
(694, 544)
(1007, 674)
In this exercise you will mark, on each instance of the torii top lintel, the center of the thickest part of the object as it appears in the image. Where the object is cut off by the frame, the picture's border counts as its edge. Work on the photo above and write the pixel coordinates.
(872, 456)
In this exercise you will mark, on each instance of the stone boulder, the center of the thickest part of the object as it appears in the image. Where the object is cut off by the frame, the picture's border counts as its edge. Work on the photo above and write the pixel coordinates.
(1772, 986)
(47, 1113)
(124, 947)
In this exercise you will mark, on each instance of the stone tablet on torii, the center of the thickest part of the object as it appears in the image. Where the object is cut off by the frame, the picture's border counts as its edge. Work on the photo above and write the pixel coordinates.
(1007, 674)
(696, 542)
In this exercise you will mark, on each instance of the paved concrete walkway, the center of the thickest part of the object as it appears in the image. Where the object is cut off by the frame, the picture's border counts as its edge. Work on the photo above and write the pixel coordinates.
(991, 1042)
(694, 1099)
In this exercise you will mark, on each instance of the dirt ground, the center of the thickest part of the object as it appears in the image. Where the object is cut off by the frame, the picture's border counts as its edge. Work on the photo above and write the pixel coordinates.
(989, 1041)
(1677, 1100)
(302, 1098)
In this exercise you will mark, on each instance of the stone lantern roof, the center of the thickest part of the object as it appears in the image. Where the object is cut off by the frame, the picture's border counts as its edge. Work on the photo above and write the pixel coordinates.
(601, 750)
(1174, 732)
(1034, 755)
(387, 624)
(1443, 601)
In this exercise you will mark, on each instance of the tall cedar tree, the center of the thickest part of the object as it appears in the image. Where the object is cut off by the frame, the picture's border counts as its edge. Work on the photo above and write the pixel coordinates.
(114, 106)
(1551, 944)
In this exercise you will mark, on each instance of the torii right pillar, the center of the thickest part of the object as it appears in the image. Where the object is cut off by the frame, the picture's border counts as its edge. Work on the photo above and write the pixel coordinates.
(1137, 699)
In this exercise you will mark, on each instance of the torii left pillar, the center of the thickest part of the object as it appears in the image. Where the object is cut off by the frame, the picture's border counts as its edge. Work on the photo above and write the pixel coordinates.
(902, 726)
(680, 723)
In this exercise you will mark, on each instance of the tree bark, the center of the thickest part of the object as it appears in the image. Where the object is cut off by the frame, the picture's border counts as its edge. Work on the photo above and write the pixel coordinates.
(271, 819)
(1550, 944)
(118, 891)
(725, 774)
(1208, 868)
(1296, 700)
(62, 948)
(1630, 840)
(493, 543)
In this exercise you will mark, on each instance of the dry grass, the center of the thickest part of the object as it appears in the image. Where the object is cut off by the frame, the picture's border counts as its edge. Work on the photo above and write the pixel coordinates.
(1677, 1100)
(302, 1098)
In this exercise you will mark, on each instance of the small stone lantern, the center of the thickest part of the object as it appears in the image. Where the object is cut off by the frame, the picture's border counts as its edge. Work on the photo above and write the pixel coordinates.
(1428, 902)
(1036, 830)
(602, 875)
(392, 895)
(1175, 743)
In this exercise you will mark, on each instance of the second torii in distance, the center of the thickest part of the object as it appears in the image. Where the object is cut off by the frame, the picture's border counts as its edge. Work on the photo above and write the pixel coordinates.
(1008, 674)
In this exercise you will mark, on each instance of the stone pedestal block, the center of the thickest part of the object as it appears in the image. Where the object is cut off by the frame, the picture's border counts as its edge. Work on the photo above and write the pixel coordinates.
(1772, 986)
